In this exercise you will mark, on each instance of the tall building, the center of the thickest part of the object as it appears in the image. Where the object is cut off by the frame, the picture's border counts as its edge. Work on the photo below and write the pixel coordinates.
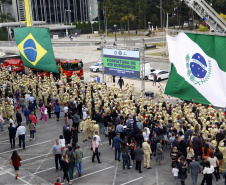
(59, 11)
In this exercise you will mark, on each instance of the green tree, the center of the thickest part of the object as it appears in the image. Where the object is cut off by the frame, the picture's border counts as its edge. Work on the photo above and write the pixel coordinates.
(6, 18)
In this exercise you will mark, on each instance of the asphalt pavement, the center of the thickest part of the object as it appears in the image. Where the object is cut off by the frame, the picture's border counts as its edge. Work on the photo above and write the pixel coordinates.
(38, 163)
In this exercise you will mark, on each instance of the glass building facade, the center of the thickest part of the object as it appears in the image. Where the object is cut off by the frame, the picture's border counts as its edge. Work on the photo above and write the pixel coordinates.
(60, 11)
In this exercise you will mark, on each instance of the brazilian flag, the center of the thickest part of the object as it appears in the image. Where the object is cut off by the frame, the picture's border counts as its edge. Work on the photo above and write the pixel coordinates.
(35, 48)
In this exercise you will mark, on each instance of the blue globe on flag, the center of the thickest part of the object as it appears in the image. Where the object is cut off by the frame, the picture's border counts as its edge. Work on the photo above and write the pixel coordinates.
(198, 65)
(30, 50)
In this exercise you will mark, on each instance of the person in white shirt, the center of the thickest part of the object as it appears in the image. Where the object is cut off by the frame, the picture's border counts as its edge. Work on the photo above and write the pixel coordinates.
(21, 131)
(4, 86)
(1, 123)
(208, 173)
(214, 162)
(11, 121)
(175, 173)
(84, 113)
(62, 142)
(31, 99)
(65, 108)
(27, 96)
(146, 133)
(98, 138)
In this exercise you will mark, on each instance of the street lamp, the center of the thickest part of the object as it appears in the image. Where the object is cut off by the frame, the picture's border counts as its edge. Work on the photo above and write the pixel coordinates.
(149, 25)
(163, 29)
(92, 26)
(66, 15)
(164, 15)
(115, 26)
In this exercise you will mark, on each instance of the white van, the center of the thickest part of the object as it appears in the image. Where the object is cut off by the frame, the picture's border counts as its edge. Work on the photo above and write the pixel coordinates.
(147, 71)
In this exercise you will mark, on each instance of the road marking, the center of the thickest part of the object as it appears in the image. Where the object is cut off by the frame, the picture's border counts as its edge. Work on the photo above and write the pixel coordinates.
(91, 173)
(157, 176)
(116, 169)
(8, 140)
(40, 165)
(44, 170)
(35, 157)
(26, 147)
(132, 181)
(4, 143)
(19, 178)
(55, 167)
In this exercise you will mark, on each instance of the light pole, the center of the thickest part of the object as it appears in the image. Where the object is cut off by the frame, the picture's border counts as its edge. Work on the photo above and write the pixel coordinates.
(92, 26)
(149, 26)
(66, 15)
(115, 26)
(164, 15)
(163, 29)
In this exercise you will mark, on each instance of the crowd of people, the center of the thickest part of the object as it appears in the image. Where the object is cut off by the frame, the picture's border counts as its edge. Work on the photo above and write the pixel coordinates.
(137, 128)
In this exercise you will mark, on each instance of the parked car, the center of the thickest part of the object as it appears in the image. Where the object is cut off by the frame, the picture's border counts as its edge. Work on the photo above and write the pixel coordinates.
(97, 67)
(161, 75)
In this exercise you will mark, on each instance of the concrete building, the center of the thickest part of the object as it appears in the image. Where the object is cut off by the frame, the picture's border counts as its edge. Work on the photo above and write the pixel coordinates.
(57, 11)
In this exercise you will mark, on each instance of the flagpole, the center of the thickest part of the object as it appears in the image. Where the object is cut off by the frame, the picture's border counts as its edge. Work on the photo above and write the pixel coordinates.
(28, 13)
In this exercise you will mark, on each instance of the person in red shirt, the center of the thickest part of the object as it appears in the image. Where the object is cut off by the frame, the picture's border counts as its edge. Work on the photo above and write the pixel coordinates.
(205, 151)
(33, 118)
(58, 181)
(15, 161)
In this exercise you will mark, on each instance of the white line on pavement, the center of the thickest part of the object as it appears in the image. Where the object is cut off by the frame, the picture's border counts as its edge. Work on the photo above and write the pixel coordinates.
(44, 170)
(132, 181)
(8, 140)
(35, 157)
(55, 167)
(26, 147)
(40, 165)
(157, 176)
(116, 169)
(91, 173)
(19, 178)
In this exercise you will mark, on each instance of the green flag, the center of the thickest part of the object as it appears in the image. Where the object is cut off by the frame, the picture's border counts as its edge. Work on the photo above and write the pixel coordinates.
(198, 68)
(35, 48)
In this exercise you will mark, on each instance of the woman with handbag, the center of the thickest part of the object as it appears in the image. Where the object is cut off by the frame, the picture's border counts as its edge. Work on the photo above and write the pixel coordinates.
(95, 150)
(33, 119)
(15, 161)
(159, 152)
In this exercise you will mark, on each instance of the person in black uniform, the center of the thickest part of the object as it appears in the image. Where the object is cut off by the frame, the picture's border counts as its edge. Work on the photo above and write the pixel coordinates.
(120, 82)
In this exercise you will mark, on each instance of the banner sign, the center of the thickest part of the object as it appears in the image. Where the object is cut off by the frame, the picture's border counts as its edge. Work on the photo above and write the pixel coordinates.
(122, 63)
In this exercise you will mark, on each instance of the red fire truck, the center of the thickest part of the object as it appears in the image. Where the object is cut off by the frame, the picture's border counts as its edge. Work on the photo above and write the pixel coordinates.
(16, 65)
(67, 67)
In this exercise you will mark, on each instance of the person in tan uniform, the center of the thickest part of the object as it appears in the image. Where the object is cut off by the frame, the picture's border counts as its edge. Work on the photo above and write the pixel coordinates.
(159, 94)
(83, 127)
(95, 128)
(147, 153)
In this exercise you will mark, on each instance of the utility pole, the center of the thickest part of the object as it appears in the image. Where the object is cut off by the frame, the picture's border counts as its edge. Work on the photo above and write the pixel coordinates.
(161, 14)
(106, 24)
(167, 20)
(98, 10)
(102, 57)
